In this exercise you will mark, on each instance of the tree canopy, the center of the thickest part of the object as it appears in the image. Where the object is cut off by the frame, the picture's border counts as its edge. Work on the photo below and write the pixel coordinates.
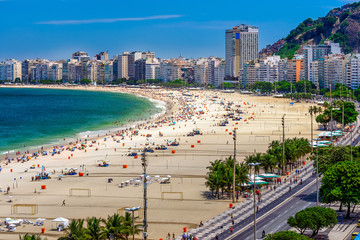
(286, 235)
(341, 183)
(220, 176)
(115, 227)
(313, 218)
(264, 87)
(284, 86)
(329, 156)
(350, 113)
(85, 81)
(300, 86)
(227, 85)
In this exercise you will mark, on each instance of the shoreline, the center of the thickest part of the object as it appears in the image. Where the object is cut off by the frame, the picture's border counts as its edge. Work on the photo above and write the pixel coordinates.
(164, 107)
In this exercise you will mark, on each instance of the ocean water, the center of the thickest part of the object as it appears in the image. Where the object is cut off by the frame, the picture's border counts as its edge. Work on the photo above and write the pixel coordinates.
(33, 117)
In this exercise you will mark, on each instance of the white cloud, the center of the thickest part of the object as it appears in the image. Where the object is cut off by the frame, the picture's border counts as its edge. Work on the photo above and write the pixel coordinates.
(108, 20)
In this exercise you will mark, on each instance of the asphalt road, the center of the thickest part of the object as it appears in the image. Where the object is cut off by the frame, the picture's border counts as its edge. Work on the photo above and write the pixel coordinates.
(276, 221)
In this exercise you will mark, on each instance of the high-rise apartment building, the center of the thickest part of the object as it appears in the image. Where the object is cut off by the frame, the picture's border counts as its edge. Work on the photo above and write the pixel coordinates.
(209, 71)
(10, 70)
(81, 56)
(352, 72)
(269, 69)
(318, 53)
(294, 70)
(334, 70)
(152, 69)
(241, 46)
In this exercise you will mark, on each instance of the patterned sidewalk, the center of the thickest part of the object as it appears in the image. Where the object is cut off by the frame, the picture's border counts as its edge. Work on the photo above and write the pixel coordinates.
(244, 210)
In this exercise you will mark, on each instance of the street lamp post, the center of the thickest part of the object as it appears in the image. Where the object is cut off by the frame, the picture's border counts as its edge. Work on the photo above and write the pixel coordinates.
(133, 210)
(144, 165)
(317, 172)
(311, 115)
(234, 167)
(254, 164)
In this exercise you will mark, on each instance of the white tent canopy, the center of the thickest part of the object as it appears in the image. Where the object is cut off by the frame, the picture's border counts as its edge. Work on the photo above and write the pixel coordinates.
(64, 221)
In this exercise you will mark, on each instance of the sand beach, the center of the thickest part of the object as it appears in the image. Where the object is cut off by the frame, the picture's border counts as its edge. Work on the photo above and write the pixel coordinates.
(186, 163)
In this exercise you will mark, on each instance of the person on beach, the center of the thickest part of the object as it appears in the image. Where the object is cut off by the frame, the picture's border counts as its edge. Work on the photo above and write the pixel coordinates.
(63, 203)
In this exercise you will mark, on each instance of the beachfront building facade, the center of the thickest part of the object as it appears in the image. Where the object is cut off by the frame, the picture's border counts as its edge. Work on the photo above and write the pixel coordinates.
(152, 69)
(209, 71)
(173, 69)
(10, 70)
(352, 71)
(268, 69)
(241, 46)
(317, 53)
(294, 70)
(334, 70)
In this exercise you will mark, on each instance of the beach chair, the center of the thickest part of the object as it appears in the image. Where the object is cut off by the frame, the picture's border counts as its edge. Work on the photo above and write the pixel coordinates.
(12, 229)
(37, 223)
(42, 223)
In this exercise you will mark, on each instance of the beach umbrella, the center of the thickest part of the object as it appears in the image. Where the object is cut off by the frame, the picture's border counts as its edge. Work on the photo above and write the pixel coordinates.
(12, 225)
(40, 219)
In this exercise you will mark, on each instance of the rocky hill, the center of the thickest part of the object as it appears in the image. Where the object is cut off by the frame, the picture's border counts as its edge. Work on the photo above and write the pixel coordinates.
(341, 25)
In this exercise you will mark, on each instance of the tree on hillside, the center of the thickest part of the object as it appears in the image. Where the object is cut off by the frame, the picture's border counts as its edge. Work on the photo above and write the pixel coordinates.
(313, 218)
(286, 235)
(341, 183)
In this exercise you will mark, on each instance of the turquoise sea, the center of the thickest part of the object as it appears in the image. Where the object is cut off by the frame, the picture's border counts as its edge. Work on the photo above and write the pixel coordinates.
(32, 117)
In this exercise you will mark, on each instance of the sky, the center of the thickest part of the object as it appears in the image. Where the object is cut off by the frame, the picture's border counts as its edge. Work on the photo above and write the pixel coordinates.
(54, 29)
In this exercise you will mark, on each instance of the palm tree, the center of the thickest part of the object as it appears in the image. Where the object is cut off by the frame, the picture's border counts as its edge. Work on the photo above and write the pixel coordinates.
(256, 158)
(228, 174)
(94, 230)
(113, 225)
(215, 182)
(127, 227)
(30, 237)
(276, 150)
(290, 152)
(241, 172)
(268, 162)
(75, 231)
